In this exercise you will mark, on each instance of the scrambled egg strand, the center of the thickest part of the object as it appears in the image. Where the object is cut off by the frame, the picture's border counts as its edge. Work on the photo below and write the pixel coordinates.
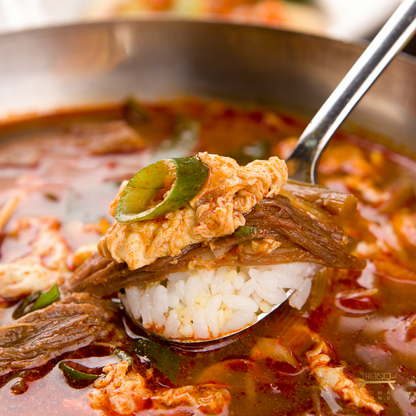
(231, 191)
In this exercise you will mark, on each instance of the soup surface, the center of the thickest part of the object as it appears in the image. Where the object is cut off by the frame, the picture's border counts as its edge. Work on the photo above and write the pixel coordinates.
(67, 168)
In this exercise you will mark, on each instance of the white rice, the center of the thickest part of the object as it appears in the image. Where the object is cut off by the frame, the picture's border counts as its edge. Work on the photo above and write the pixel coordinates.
(205, 304)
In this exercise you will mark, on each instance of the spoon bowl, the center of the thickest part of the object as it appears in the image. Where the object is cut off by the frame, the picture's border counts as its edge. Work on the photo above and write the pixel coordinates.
(303, 162)
(202, 345)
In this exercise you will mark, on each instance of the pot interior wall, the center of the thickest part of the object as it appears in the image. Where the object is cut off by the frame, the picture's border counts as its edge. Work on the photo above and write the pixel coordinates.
(92, 63)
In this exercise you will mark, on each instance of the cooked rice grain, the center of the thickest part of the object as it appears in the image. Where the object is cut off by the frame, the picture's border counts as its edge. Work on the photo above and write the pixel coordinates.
(204, 304)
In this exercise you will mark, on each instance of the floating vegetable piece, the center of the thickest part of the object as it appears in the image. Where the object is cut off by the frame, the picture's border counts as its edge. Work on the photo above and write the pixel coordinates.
(160, 356)
(46, 299)
(75, 375)
(123, 356)
(20, 310)
(258, 150)
(245, 231)
(162, 187)
(40, 300)
(273, 349)
(183, 141)
(135, 112)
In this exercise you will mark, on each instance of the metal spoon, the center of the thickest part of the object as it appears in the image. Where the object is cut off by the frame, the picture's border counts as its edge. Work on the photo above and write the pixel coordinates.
(303, 162)
(398, 30)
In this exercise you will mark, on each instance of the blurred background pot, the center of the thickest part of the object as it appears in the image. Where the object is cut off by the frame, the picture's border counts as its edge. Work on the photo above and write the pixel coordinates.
(103, 62)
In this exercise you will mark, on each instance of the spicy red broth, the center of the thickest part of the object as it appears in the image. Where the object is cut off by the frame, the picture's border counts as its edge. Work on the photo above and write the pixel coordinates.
(69, 167)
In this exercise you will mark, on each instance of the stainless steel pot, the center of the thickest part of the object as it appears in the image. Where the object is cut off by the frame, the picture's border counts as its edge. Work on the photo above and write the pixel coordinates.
(93, 63)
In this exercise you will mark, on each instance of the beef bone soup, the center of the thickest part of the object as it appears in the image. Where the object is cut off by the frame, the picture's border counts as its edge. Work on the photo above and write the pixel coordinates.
(345, 343)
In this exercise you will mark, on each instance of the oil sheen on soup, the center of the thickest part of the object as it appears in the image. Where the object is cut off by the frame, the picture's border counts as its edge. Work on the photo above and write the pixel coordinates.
(350, 349)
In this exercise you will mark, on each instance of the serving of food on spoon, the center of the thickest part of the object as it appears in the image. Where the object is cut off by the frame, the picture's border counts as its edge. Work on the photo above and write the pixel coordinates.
(229, 247)
(201, 249)
(205, 265)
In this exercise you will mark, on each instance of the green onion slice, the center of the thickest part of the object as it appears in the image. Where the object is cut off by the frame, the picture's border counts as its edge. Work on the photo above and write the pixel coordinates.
(135, 112)
(46, 299)
(20, 310)
(77, 375)
(160, 188)
(160, 356)
(245, 231)
(38, 300)
(124, 356)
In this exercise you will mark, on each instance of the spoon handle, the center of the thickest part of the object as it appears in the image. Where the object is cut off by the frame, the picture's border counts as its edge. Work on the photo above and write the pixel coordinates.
(394, 35)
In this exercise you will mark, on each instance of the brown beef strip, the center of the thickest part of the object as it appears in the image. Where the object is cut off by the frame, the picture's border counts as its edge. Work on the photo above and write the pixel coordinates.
(302, 237)
(114, 276)
(321, 198)
(95, 264)
(276, 217)
(75, 322)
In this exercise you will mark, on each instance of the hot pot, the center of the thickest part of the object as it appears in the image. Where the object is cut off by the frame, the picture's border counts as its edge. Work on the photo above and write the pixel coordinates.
(92, 64)
(95, 63)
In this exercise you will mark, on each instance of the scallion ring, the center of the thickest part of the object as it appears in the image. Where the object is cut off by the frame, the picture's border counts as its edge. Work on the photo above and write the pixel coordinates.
(76, 375)
(38, 300)
(123, 356)
(160, 188)
(245, 231)
(46, 299)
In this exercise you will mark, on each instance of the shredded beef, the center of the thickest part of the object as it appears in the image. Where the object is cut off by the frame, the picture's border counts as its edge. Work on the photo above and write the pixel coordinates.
(321, 199)
(65, 326)
(302, 238)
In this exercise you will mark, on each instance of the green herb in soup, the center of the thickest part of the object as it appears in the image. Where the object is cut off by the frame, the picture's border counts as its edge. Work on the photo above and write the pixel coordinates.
(75, 282)
(160, 188)
(35, 301)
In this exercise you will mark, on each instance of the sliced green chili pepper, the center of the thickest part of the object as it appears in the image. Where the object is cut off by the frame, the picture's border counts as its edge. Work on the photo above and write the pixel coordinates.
(20, 310)
(46, 299)
(162, 357)
(38, 300)
(135, 112)
(123, 356)
(76, 375)
(245, 231)
(160, 188)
